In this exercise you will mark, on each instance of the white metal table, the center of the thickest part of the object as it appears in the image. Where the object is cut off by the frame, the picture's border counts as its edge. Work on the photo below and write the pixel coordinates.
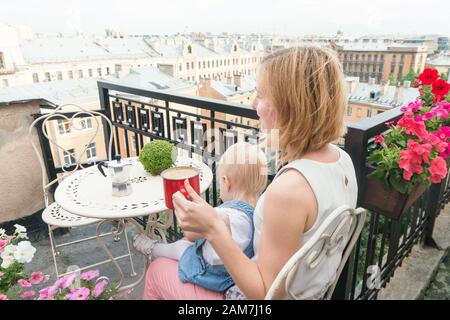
(89, 194)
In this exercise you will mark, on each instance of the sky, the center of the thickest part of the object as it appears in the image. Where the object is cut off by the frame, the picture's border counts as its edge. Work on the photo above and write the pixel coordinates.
(284, 17)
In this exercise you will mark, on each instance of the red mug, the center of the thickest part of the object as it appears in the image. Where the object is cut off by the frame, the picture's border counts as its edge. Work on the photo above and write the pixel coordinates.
(173, 181)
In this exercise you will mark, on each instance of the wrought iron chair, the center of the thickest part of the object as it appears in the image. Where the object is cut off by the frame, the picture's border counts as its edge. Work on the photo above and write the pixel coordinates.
(336, 236)
(55, 216)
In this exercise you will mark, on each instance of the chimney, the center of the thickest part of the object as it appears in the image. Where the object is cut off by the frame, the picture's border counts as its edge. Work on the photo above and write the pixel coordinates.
(352, 83)
(398, 94)
(237, 80)
(406, 84)
(384, 87)
(372, 81)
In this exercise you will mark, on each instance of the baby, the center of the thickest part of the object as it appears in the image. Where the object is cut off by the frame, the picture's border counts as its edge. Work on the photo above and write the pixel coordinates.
(242, 176)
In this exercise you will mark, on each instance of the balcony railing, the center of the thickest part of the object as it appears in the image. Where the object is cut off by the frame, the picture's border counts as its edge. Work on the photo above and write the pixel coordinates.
(204, 128)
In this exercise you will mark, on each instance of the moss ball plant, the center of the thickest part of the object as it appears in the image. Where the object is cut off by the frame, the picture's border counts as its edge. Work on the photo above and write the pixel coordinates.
(158, 155)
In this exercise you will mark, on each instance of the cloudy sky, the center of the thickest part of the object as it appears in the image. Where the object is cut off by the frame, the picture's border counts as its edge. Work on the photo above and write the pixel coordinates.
(289, 17)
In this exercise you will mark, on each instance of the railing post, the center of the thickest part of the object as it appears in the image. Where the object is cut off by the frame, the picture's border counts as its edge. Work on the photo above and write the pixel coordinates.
(431, 211)
(356, 147)
(106, 107)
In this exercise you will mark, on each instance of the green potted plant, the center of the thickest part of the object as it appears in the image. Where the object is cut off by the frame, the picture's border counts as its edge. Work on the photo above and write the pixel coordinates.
(412, 155)
(157, 155)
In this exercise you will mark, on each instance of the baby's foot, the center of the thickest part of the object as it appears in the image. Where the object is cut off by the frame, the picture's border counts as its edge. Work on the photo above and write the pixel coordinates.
(144, 244)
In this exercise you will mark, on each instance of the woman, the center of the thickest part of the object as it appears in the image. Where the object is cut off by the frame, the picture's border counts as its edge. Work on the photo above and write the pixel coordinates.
(300, 92)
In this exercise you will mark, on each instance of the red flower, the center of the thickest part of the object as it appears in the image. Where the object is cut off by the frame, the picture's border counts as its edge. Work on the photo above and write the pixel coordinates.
(379, 139)
(438, 170)
(437, 143)
(428, 76)
(440, 87)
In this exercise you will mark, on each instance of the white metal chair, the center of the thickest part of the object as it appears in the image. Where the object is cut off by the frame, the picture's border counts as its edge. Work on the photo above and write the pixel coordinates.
(343, 224)
(55, 216)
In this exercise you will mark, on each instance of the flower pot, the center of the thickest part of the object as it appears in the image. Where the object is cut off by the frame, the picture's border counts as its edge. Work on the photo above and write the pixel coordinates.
(391, 204)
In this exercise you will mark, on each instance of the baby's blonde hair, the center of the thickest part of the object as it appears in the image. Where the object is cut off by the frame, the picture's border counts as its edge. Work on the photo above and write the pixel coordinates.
(306, 86)
(246, 166)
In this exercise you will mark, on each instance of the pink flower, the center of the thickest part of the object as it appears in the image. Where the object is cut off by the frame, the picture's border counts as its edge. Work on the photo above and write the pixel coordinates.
(36, 277)
(379, 139)
(438, 170)
(3, 244)
(89, 275)
(444, 104)
(28, 294)
(24, 283)
(100, 287)
(3, 297)
(67, 280)
(413, 106)
(437, 143)
(78, 294)
(48, 292)
(413, 126)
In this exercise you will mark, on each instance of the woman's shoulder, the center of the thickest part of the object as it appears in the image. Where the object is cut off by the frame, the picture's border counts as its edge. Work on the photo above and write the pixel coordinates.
(290, 188)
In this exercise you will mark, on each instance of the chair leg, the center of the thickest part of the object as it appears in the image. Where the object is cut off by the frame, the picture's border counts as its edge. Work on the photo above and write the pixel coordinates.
(55, 252)
(133, 272)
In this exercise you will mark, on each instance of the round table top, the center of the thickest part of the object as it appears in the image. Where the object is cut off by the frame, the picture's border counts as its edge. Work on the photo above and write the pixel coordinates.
(88, 193)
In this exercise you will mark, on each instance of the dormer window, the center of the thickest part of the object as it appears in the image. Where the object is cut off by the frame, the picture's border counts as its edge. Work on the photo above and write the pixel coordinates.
(189, 49)
(235, 48)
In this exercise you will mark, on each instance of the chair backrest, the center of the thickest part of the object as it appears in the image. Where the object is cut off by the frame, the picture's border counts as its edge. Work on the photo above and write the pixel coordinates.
(57, 114)
(343, 224)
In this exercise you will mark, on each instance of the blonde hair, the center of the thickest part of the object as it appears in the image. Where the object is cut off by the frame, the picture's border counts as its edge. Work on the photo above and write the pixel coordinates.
(306, 87)
(246, 166)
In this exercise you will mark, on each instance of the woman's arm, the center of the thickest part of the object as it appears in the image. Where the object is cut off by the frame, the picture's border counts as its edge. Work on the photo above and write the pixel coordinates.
(285, 216)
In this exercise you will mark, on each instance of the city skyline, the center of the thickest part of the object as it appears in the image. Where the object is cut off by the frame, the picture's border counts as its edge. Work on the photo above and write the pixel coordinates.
(286, 17)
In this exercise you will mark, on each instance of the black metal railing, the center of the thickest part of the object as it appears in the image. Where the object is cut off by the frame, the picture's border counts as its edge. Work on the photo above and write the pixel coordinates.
(384, 242)
(204, 128)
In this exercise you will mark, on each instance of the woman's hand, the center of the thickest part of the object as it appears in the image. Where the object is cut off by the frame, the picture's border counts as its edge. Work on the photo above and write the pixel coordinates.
(196, 215)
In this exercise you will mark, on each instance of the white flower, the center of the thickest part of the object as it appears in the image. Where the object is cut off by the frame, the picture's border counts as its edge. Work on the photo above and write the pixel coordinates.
(24, 252)
(2, 232)
(20, 229)
(8, 256)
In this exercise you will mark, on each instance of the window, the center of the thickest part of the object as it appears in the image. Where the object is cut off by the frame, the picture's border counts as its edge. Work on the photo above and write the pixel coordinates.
(91, 151)
(204, 64)
(86, 123)
(63, 126)
(192, 65)
(35, 78)
(235, 48)
(59, 75)
(80, 74)
(90, 73)
(180, 67)
(349, 111)
(48, 77)
(133, 143)
(208, 65)
(5, 83)
(199, 65)
(70, 74)
(189, 49)
(69, 157)
(2, 61)
(369, 112)
(107, 71)
(99, 72)
(187, 65)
